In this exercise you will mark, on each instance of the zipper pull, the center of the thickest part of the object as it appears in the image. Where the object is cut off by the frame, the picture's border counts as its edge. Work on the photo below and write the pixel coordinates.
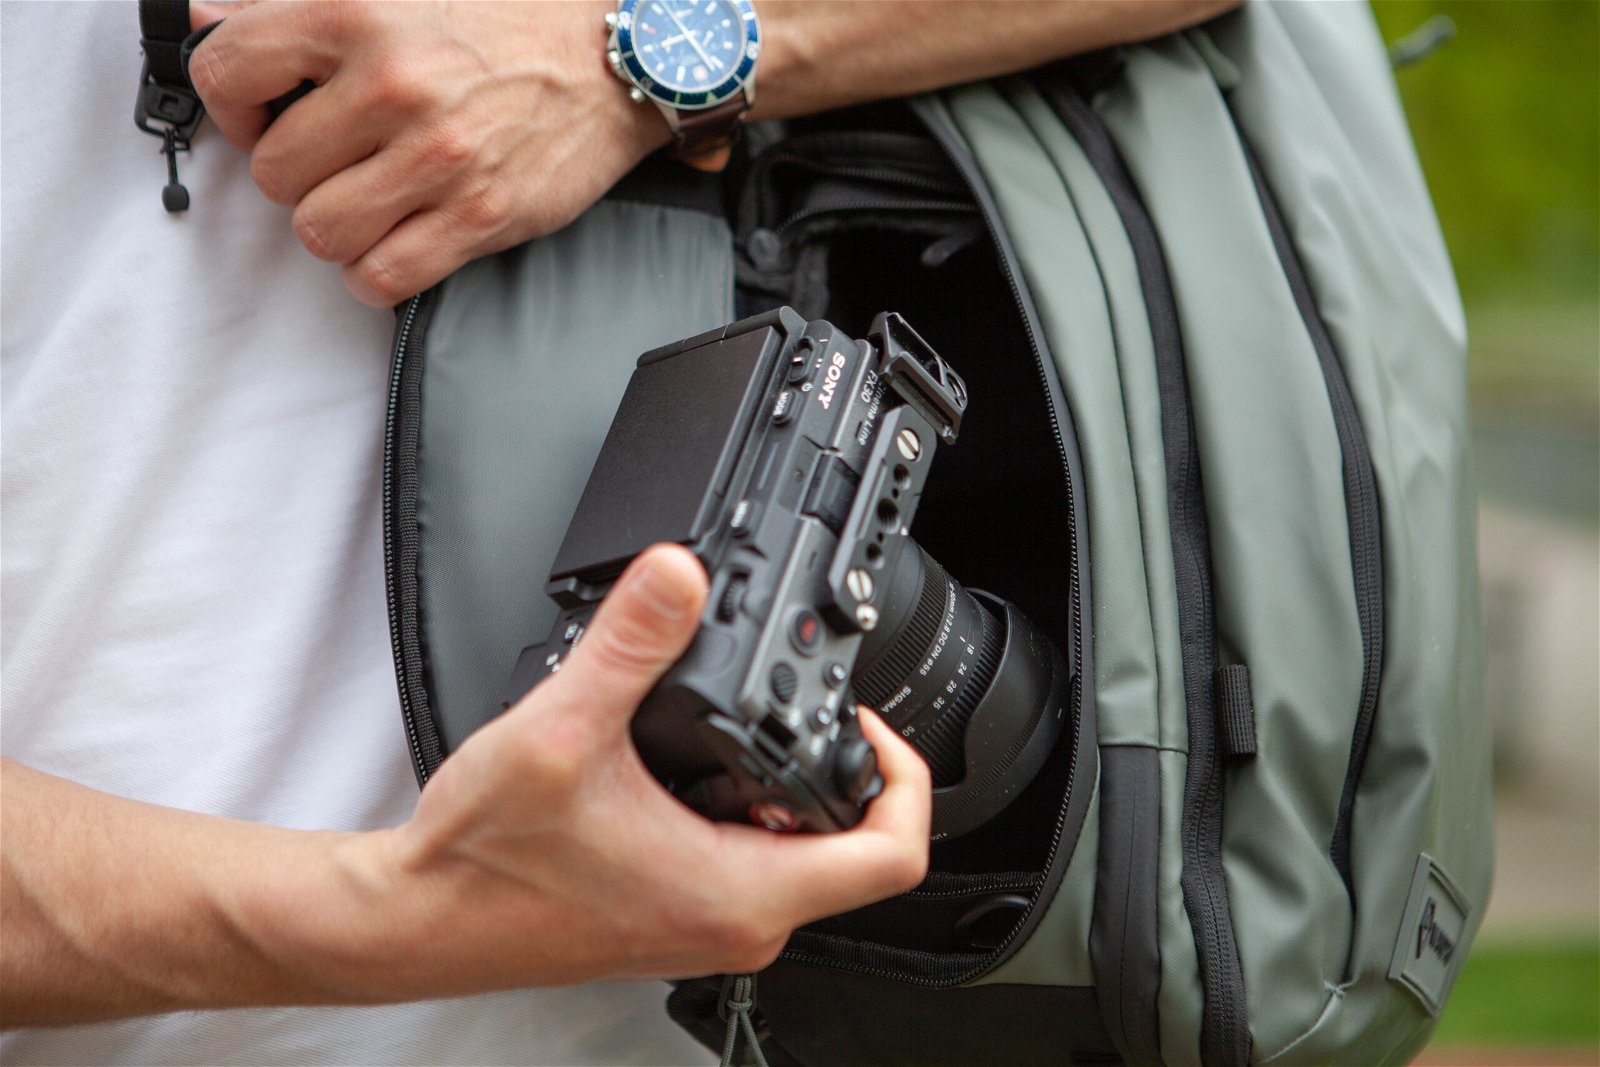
(174, 197)
(172, 113)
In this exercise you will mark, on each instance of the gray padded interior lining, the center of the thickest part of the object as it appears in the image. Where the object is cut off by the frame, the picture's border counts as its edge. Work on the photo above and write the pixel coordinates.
(543, 335)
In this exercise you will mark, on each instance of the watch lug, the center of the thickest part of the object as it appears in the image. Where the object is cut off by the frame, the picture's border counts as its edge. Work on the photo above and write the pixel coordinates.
(671, 114)
(636, 94)
(611, 20)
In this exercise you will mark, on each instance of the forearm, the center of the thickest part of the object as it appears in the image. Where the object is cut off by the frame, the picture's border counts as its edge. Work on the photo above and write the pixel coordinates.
(109, 908)
(819, 54)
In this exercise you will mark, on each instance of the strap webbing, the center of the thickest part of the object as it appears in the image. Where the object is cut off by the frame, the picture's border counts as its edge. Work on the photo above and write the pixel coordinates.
(163, 25)
(1236, 712)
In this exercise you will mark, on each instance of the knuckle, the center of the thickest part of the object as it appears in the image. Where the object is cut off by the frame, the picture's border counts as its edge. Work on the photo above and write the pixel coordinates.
(314, 235)
(268, 175)
(208, 69)
(383, 278)
(446, 146)
(392, 84)
(625, 644)
(485, 207)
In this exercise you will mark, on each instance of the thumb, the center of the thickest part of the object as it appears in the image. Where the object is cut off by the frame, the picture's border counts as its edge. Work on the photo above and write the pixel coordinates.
(642, 628)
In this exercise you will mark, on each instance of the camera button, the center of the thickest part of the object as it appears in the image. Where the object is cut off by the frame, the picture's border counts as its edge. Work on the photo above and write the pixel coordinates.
(821, 717)
(743, 517)
(836, 674)
(783, 408)
(800, 366)
(784, 682)
(805, 631)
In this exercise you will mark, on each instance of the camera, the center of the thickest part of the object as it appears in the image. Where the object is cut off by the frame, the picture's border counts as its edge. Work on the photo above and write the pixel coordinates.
(790, 458)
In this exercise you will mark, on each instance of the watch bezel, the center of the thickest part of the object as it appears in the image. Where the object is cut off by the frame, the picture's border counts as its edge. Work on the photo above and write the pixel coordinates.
(683, 100)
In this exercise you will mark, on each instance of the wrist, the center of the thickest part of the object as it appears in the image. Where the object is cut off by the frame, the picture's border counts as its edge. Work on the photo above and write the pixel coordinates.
(639, 126)
(331, 927)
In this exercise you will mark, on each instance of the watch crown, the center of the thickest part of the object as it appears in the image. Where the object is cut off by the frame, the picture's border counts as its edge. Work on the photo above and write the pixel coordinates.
(636, 94)
(615, 59)
(611, 20)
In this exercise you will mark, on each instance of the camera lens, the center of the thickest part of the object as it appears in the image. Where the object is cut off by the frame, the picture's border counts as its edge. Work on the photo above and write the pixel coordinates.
(966, 678)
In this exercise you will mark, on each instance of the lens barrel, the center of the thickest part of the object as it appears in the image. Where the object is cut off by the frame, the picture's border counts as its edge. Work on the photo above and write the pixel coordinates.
(972, 684)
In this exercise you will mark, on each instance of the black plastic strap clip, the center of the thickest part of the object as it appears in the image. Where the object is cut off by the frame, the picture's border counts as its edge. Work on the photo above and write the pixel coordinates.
(167, 105)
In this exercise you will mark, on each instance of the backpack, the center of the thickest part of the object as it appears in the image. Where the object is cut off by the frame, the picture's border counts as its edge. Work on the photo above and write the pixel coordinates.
(1215, 448)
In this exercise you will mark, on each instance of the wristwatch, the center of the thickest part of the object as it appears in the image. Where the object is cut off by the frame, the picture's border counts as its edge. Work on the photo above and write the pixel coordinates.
(695, 60)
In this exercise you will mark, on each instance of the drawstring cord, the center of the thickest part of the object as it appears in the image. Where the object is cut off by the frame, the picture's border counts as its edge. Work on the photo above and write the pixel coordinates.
(738, 998)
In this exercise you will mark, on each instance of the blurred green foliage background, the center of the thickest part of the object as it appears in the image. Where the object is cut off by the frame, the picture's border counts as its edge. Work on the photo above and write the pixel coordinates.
(1507, 123)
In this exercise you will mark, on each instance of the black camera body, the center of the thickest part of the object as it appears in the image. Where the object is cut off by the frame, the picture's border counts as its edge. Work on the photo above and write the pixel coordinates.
(790, 458)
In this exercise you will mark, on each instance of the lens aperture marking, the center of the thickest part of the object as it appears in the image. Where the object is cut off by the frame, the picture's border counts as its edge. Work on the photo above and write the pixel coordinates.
(943, 635)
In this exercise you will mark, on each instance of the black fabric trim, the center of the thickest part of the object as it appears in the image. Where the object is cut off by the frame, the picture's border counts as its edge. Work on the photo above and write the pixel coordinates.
(402, 540)
(1236, 713)
(1084, 756)
(163, 25)
(1225, 1030)
(816, 1015)
(1123, 943)
(1362, 509)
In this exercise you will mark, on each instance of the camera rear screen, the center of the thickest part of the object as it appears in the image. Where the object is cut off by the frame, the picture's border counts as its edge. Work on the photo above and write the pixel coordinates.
(665, 464)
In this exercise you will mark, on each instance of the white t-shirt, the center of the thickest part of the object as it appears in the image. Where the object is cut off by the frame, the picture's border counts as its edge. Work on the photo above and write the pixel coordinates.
(193, 609)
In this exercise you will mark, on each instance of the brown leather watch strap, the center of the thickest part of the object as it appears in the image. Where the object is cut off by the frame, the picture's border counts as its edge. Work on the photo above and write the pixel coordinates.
(708, 133)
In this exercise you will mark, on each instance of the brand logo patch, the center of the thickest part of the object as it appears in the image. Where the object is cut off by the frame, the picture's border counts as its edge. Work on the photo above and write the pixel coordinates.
(1426, 956)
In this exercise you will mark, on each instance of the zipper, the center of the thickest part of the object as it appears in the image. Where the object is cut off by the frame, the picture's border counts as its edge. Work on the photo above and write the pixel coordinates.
(1361, 510)
(1014, 882)
(1225, 1031)
(1054, 867)
(400, 536)
(885, 204)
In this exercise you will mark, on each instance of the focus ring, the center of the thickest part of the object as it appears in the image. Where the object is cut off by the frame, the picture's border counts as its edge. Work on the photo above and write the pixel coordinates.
(944, 743)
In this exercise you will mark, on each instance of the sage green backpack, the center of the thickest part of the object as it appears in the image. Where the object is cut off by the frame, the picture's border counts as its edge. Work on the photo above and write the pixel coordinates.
(1215, 447)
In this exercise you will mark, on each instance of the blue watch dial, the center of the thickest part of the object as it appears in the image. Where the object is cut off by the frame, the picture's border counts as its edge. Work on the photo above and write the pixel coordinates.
(688, 53)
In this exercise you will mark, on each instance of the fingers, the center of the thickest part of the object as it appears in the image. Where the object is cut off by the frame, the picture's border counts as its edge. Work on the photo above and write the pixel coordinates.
(344, 217)
(420, 251)
(816, 875)
(258, 54)
(642, 628)
(319, 136)
(905, 807)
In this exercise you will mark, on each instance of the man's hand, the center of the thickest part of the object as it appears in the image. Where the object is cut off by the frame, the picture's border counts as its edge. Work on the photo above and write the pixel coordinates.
(437, 132)
(541, 853)
(547, 823)
(442, 132)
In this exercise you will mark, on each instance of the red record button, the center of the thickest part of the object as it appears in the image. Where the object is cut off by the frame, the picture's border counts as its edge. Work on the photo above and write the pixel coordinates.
(805, 630)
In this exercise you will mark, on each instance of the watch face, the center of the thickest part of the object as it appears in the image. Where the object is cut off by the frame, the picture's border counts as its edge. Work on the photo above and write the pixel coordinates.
(688, 53)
